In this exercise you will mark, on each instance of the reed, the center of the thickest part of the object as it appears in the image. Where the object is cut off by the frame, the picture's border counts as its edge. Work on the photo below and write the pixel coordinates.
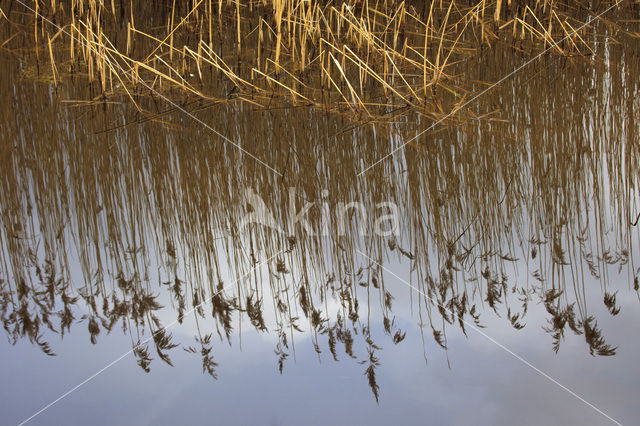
(343, 55)
(144, 211)
(147, 206)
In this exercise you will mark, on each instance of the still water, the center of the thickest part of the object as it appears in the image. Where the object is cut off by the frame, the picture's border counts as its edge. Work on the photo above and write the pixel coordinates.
(485, 273)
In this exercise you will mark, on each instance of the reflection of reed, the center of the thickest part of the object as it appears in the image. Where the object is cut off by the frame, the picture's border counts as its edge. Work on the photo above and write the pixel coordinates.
(548, 188)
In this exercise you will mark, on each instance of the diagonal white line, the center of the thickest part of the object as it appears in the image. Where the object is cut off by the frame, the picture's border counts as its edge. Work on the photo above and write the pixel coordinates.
(163, 97)
(115, 361)
(500, 345)
(515, 71)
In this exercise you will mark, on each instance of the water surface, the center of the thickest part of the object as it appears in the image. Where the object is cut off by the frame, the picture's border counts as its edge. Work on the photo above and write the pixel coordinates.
(507, 291)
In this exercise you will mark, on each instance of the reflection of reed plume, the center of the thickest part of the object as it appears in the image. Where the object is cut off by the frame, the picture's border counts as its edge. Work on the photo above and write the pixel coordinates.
(145, 205)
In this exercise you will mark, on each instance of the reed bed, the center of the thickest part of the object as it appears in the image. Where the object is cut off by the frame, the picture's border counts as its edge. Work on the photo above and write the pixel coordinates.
(358, 56)
(146, 212)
